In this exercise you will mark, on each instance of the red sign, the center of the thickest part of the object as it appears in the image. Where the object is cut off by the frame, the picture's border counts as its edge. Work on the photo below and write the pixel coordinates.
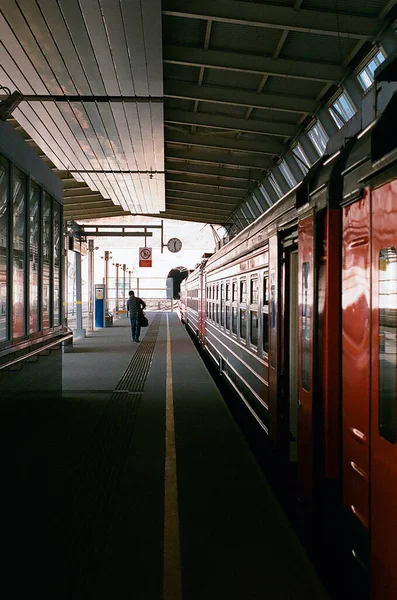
(145, 257)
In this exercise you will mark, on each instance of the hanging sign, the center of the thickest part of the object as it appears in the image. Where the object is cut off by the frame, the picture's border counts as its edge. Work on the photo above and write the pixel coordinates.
(145, 257)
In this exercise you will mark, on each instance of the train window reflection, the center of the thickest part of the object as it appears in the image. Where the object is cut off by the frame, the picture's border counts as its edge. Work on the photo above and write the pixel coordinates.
(234, 319)
(306, 326)
(222, 304)
(387, 343)
(18, 260)
(234, 291)
(265, 339)
(254, 291)
(254, 327)
(4, 212)
(243, 291)
(265, 291)
(243, 324)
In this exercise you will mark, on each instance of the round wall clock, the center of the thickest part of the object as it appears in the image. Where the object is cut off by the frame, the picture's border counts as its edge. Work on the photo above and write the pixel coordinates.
(174, 245)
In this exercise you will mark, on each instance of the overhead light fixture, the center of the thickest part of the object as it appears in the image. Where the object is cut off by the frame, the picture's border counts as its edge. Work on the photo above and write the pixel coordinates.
(9, 104)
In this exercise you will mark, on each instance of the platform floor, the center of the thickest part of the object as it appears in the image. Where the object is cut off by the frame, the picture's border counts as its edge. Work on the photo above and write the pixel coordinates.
(140, 485)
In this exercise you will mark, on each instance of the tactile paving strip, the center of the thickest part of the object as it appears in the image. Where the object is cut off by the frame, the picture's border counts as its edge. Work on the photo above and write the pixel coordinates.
(134, 377)
(91, 488)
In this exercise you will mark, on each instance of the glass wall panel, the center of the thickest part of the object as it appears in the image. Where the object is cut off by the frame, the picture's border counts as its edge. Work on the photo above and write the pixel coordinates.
(18, 261)
(4, 187)
(57, 264)
(46, 249)
(34, 257)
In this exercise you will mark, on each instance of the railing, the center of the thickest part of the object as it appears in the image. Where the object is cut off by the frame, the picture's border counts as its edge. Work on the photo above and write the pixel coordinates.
(35, 352)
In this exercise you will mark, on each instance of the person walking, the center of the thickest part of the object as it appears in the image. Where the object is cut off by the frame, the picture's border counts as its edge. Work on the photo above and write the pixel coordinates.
(134, 306)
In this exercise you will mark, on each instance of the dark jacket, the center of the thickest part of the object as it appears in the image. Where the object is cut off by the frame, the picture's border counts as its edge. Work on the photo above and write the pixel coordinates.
(134, 304)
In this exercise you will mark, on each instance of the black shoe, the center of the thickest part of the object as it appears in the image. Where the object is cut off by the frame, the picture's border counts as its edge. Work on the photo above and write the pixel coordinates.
(137, 340)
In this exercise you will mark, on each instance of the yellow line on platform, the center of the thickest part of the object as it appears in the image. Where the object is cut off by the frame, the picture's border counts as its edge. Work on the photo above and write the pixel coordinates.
(172, 584)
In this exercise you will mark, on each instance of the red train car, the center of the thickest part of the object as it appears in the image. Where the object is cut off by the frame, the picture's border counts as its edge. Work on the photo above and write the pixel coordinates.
(299, 313)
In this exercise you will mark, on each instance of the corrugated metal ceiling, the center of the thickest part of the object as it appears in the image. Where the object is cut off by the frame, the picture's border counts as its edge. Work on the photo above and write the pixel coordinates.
(178, 105)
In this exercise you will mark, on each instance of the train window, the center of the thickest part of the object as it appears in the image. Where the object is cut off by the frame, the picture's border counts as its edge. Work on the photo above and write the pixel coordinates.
(227, 292)
(243, 290)
(265, 315)
(254, 291)
(254, 327)
(46, 248)
(243, 324)
(217, 305)
(234, 319)
(227, 314)
(273, 318)
(265, 336)
(265, 291)
(34, 254)
(387, 343)
(19, 243)
(222, 310)
(57, 264)
(234, 291)
(306, 327)
(4, 245)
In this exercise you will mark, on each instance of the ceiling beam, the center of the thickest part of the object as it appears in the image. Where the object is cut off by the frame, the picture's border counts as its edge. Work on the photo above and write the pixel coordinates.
(334, 23)
(186, 179)
(85, 197)
(73, 184)
(183, 203)
(94, 204)
(221, 122)
(228, 160)
(202, 211)
(81, 193)
(205, 195)
(271, 147)
(236, 97)
(193, 203)
(247, 63)
(96, 214)
(207, 171)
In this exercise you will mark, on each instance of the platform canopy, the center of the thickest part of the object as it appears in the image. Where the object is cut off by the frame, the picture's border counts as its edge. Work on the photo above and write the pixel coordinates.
(175, 108)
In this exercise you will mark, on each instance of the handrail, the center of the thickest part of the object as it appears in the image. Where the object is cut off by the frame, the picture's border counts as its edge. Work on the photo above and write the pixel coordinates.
(34, 352)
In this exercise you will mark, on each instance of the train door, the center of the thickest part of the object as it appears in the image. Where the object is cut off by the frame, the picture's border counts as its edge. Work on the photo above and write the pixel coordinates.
(288, 365)
(384, 391)
(355, 376)
(305, 362)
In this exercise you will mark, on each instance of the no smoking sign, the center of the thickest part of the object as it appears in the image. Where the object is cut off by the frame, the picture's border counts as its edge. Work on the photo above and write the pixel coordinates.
(145, 257)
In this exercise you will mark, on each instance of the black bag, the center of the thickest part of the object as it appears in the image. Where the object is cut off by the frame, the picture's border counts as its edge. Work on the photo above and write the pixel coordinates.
(142, 319)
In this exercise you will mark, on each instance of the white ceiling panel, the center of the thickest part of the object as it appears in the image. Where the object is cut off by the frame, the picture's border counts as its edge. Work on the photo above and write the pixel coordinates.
(101, 54)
